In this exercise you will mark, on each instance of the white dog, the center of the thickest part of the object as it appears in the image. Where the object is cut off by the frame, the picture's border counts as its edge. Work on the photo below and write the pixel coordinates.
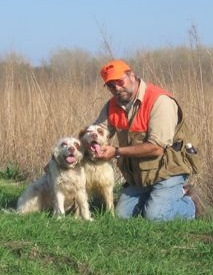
(99, 173)
(62, 186)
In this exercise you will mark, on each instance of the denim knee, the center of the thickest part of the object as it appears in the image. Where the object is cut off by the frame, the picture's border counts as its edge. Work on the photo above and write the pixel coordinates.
(183, 208)
(153, 213)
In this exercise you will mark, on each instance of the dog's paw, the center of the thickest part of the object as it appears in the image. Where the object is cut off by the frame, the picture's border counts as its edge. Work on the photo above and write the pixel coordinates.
(59, 216)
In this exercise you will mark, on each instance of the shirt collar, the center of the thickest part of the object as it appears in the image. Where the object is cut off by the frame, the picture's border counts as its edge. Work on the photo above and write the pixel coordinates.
(141, 90)
(140, 94)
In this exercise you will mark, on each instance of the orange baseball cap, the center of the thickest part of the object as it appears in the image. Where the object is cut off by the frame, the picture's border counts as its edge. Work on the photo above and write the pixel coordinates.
(114, 70)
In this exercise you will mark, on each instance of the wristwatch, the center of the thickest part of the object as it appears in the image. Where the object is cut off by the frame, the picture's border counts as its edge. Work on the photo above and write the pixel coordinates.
(117, 153)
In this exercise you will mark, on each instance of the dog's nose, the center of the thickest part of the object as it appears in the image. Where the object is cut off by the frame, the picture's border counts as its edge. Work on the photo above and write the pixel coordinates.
(71, 149)
(94, 135)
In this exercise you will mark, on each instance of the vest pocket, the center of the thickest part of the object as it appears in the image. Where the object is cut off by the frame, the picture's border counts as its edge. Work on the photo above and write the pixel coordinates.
(149, 170)
(174, 163)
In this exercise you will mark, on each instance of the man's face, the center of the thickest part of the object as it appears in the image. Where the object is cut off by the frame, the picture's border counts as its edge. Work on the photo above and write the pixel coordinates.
(122, 89)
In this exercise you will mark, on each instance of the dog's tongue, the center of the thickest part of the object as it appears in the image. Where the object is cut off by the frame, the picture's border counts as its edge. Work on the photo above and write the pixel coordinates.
(70, 159)
(96, 148)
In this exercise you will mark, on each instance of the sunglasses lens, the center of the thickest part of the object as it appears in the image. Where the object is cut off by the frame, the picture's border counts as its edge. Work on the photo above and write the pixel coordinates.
(112, 85)
(120, 82)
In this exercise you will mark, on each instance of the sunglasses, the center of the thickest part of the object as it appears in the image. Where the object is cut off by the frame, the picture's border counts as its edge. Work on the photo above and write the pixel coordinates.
(111, 85)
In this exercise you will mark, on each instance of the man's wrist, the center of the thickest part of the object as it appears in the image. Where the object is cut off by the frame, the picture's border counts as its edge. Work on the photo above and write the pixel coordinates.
(117, 153)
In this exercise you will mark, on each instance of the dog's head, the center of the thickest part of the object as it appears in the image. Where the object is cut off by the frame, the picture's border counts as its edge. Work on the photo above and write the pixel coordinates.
(68, 152)
(93, 138)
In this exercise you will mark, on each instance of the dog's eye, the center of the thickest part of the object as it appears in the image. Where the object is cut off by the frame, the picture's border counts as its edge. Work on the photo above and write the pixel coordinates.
(77, 145)
(64, 144)
(100, 131)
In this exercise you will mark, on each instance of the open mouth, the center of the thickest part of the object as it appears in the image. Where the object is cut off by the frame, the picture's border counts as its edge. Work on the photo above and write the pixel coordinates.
(95, 147)
(70, 159)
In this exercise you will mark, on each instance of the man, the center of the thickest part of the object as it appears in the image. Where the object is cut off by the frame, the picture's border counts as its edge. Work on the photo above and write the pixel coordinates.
(151, 155)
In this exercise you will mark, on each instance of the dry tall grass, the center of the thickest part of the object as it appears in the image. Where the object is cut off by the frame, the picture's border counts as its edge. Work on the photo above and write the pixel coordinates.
(39, 105)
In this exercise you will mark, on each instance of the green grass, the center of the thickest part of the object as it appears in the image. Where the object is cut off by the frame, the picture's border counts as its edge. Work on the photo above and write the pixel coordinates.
(40, 244)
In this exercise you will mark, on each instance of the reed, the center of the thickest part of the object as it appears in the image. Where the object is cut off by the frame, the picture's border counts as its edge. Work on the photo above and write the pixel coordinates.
(40, 105)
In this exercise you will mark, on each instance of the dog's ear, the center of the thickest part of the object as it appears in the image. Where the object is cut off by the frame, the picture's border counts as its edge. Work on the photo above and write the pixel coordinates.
(46, 168)
(108, 135)
(82, 132)
(56, 149)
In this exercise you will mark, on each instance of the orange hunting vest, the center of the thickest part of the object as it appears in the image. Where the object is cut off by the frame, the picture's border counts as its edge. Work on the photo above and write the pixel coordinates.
(117, 116)
(149, 170)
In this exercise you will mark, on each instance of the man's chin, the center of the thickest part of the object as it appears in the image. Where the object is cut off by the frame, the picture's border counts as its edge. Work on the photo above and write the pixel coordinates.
(123, 101)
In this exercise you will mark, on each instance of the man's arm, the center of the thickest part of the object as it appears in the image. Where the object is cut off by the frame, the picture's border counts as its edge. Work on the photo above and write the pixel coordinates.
(161, 130)
(145, 149)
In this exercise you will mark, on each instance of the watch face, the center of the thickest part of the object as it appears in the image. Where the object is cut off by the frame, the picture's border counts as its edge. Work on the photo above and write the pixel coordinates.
(117, 153)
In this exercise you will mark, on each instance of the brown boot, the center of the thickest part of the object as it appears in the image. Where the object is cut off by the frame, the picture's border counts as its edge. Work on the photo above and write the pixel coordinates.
(200, 207)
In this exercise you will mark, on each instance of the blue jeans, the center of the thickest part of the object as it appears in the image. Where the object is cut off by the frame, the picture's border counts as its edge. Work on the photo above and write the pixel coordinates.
(164, 200)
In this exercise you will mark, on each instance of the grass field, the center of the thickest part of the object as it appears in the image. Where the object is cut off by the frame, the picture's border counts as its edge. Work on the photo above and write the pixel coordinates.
(40, 244)
(38, 106)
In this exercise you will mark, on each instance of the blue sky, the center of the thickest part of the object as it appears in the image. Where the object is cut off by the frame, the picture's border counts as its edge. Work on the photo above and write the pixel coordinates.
(38, 28)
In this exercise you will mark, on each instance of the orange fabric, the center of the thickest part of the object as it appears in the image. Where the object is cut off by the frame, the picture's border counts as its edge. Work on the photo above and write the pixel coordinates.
(114, 70)
(117, 116)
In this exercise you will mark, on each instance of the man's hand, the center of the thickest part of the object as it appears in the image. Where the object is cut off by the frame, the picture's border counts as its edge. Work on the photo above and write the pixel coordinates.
(107, 152)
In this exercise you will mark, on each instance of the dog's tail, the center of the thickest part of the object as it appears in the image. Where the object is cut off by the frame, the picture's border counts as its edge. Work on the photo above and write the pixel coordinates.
(8, 210)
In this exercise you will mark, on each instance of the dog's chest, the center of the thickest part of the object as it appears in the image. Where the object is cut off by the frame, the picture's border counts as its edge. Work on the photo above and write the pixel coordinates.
(70, 178)
(98, 173)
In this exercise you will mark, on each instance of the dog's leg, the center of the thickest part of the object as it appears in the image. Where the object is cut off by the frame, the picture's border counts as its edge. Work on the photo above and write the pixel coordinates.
(77, 212)
(29, 201)
(28, 205)
(83, 205)
(59, 205)
(108, 198)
